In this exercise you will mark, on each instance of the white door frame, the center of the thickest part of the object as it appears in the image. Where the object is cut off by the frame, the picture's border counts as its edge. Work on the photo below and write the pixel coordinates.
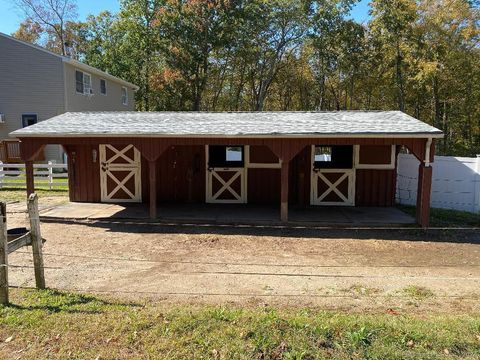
(317, 174)
(108, 169)
(212, 173)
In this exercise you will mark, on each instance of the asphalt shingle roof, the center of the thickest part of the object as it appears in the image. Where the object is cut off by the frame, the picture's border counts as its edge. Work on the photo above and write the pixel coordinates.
(221, 124)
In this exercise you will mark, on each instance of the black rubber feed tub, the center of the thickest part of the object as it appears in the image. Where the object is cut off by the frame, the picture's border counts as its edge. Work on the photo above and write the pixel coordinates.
(15, 233)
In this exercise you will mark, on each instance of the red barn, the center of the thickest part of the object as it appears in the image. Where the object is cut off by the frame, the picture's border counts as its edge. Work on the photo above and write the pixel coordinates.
(343, 158)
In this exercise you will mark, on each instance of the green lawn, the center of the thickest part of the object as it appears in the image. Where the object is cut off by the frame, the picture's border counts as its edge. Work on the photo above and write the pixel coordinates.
(49, 324)
(18, 192)
(15, 194)
(447, 218)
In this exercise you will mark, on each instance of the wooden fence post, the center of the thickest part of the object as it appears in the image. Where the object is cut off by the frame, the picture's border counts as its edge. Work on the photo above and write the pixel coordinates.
(50, 175)
(36, 237)
(3, 255)
(1, 174)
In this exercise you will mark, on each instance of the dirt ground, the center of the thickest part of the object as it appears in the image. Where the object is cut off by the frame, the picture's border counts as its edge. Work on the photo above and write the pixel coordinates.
(359, 270)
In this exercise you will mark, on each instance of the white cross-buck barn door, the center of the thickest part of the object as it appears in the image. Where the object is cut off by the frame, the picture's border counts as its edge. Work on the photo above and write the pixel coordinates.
(225, 185)
(333, 187)
(120, 173)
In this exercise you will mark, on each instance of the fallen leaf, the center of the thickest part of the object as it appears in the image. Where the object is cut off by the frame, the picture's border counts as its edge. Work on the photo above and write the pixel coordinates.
(10, 338)
(392, 312)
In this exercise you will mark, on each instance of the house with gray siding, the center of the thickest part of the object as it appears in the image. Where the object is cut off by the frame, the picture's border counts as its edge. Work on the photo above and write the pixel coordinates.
(38, 84)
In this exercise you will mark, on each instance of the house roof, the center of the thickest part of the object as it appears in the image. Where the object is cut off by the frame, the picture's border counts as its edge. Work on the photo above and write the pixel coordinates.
(75, 63)
(231, 124)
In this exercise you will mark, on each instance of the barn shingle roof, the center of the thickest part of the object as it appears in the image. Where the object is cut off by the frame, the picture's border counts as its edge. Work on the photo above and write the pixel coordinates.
(231, 124)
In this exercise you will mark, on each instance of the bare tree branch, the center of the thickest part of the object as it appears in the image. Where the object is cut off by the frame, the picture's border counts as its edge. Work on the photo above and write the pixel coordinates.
(51, 14)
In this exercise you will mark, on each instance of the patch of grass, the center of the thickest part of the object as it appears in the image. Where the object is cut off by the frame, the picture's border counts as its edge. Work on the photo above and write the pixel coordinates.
(51, 324)
(418, 292)
(361, 290)
(446, 217)
(20, 194)
(361, 338)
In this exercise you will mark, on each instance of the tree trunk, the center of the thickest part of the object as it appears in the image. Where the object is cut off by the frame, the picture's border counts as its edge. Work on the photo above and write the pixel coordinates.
(352, 87)
(399, 79)
(437, 121)
(322, 93)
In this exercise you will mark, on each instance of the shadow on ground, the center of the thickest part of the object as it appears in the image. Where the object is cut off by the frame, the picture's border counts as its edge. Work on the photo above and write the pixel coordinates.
(470, 236)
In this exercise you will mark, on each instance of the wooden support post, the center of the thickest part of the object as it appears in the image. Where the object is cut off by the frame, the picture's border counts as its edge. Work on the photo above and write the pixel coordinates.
(36, 237)
(152, 171)
(3, 255)
(284, 191)
(423, 195)
(30, 177)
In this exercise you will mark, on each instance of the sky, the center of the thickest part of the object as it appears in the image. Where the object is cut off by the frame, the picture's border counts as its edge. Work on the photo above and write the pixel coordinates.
(11, 17)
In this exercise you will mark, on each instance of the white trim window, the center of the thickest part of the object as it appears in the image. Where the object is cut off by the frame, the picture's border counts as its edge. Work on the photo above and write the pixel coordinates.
(29, 119)
(83, 83)
(385, 166)
(124, 95)
(103, 86)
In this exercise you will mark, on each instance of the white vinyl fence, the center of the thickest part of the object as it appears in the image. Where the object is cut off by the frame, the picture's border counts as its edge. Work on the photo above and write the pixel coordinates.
(48, 175)
(455, 182)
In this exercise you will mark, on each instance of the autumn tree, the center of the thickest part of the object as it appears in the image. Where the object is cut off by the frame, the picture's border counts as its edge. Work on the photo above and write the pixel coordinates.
(193, 31)
(418, 56)
(51, 15)
(393, 23)
(29, 31)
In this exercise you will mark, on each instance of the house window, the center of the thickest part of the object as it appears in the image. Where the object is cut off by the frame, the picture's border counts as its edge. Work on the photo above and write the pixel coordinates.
(103, 87)
(225, 156)
(333, 157)
(29, 119)
(83, 83)
(124, 95)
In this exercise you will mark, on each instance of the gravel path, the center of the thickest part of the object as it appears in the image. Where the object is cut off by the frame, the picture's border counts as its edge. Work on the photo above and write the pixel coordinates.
(365, 270)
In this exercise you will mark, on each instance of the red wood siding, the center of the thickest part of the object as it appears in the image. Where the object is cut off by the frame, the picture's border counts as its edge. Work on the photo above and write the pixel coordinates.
(263, 186)
(299, 178)
(261, 154)
(374, 187)
(375, 154)
(180, 172)
(83, 173)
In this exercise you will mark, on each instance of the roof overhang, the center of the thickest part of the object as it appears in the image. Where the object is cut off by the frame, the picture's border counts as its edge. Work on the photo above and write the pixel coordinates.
(244, 136)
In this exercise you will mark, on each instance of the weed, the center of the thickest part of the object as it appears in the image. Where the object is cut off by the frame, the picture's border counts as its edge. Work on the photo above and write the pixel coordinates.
(418, 292)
